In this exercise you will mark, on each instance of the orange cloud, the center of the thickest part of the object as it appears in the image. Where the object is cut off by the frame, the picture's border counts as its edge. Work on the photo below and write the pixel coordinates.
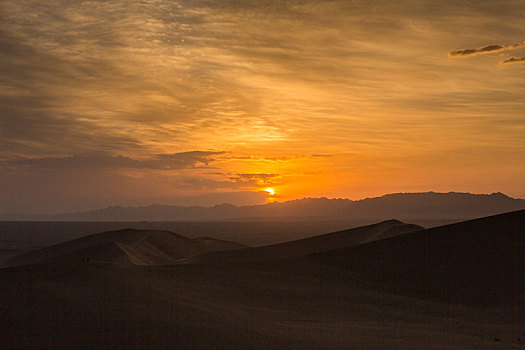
(513, 59)
(484, 49)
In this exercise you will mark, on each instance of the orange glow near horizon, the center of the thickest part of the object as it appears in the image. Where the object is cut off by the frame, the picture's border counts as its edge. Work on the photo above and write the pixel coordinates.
(219, 103)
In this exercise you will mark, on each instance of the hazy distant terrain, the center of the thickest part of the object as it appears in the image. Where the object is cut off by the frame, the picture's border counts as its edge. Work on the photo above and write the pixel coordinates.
(19, 236)
(254, 225)
(418, 208)
(386, 285)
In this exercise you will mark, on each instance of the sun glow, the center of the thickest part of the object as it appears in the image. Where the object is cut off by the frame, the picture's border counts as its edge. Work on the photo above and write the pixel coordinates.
(270, 191)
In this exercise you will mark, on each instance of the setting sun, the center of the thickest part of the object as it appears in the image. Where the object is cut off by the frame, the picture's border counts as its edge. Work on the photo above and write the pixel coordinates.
(213, 163)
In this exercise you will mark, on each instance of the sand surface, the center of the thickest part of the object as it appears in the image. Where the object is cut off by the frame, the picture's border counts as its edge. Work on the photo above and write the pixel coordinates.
(453, 287)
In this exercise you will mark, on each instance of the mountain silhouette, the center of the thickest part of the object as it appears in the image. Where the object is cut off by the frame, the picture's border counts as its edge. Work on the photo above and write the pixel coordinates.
(408, 207)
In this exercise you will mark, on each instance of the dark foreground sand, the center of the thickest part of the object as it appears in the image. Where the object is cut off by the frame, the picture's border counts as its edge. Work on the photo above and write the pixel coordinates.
(454, 287)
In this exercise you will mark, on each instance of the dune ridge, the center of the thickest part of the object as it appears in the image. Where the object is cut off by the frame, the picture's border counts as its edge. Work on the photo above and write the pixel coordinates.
(311, 245)
(383, 286)
(479, 261)
(126, 246)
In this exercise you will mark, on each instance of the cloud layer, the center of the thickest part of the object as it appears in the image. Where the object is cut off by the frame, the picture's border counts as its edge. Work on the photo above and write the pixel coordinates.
(175, 161)
(120, 92)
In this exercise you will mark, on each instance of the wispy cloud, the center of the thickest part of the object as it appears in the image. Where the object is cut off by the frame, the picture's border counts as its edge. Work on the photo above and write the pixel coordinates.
(175, 161)
(513, 59)
(478, 51)
(256, 179)
(484, 50)
(90, 87)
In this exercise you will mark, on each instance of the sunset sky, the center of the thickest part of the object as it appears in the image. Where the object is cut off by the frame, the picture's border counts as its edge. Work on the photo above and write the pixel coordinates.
(204, 102)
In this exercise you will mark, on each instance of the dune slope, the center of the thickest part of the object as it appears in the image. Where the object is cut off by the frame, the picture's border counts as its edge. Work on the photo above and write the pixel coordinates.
(477, 261)
(406, 292)
(311, 245)
(127, 246)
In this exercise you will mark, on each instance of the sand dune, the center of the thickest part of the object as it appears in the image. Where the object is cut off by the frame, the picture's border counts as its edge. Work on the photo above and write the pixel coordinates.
(215, 245)
(127, 246)
(477, 261)
(453, 287)
(317, 244)
(160, 247)
(9, 252)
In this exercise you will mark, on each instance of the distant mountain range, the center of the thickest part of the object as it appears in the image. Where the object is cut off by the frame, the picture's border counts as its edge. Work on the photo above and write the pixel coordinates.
(409, 207)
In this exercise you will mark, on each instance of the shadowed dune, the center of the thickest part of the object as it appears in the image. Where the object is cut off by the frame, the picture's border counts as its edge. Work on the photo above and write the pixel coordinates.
(477, 261)
(127, 246)
(9, 252)
(160, 247)
(453, 287)
(317, 244)
(217, 245)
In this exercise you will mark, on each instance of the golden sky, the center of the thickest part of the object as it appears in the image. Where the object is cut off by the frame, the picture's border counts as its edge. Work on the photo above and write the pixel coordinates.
(204, 102)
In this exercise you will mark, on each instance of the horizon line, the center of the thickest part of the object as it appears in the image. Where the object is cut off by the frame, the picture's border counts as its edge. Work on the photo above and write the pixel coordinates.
(259, 204)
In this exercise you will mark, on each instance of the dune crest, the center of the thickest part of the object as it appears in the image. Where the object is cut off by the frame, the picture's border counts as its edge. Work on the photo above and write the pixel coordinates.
(388, 285)
(311, 245)
(127, 246)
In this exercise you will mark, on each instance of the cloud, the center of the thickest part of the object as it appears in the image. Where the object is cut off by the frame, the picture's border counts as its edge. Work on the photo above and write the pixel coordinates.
(270, 82)
(174, 161)
(478, 51)
(513, 59)
(484, 49)
(256, 179)
(517, 46)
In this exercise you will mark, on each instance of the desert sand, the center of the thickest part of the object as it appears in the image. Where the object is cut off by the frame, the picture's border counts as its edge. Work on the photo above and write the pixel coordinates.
(384, 286)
